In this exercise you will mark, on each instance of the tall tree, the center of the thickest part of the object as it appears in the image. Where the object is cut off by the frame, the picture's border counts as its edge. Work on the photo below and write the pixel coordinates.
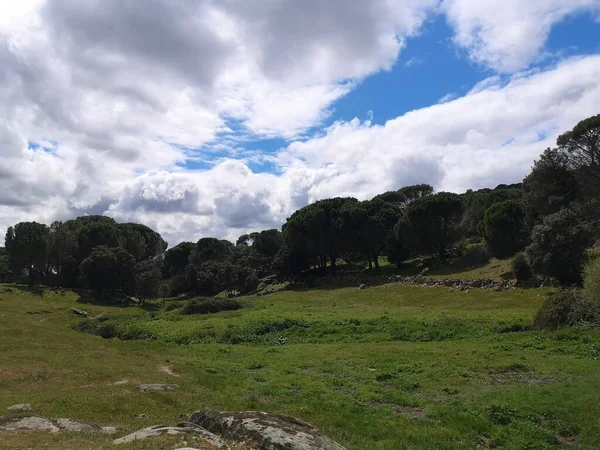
(27, 247)
(551, 185)
(504, 228)
(315, 231)
(582, 147)
(434, 221)
(107, 269)
(558, 246)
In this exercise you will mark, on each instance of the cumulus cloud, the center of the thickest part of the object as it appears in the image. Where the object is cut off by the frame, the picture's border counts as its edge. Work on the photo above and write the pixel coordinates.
(508, 35)
(119, 97)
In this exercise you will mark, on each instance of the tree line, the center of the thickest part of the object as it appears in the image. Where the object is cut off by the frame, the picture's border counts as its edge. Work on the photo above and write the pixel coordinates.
(551, 217)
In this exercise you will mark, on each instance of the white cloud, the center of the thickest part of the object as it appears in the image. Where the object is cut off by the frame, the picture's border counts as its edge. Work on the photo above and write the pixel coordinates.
(118, 98)
(508, 35)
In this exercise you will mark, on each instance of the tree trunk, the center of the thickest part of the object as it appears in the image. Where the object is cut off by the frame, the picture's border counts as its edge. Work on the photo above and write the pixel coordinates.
(333, 266)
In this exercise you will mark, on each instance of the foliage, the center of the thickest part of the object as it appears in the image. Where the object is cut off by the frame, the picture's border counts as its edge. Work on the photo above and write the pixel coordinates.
(26, 248)
(474, 256)
(521, 267)
(591, 281)
(109, 269)
(177, 258)
(434, 222)
(567, 307)
(210, 306)
(148, 278)
(581, 146)
(251, 283)
(551, 185)
(558, 247)
(406, 195)
(504, 228)
(478, 202)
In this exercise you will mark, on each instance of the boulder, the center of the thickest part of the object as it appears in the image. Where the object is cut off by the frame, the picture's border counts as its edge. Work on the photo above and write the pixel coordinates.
(157, 387)
(362, 286)
(27, 423)
(189, 429)
(79, 312)
(23, 407)
(268, 430)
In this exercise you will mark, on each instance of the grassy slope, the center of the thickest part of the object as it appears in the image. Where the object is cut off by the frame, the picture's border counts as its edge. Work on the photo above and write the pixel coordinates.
(478, 387)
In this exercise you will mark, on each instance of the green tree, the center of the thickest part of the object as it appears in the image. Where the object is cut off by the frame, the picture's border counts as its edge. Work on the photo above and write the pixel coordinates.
(505, 229)
(551, 185)
(178, 258)
(434, 222)
(27, 249)
(109, 269)
(148, 278)
(558, 247)
(141, 241)
(315, 232)
(581, 145)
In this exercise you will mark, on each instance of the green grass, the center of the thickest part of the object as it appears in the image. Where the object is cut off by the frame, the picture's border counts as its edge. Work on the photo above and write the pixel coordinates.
(357, 364)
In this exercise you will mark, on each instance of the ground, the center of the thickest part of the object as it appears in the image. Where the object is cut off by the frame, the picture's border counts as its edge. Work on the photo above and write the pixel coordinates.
(389, 367)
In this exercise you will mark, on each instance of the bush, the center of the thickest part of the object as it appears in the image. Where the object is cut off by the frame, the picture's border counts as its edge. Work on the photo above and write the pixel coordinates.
(474, 257)
(566, 307)
(210, 306)
(591, 281)
(522, 270)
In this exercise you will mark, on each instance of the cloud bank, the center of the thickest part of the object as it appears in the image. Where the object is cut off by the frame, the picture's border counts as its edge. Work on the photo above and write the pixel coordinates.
(104, 105)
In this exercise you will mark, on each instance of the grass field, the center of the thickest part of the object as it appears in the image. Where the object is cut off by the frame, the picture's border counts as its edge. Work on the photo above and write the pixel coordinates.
(389, 367)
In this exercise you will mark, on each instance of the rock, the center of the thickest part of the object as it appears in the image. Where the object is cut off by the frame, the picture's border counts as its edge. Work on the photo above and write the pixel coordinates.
(35, 423)
(24, 407)
(27, 423)
(268, 430)
(142, 416)
(362, 286)
(79, 312)
(157, 387)
(74, 425)
(186, 428)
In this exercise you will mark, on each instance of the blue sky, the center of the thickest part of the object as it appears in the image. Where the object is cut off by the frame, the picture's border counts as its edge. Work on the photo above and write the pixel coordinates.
(206, 118)
(430, 68)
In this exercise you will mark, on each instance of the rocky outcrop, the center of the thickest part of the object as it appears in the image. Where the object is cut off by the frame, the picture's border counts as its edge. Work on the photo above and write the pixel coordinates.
(269, 431)
(24, 422)
(191, 431)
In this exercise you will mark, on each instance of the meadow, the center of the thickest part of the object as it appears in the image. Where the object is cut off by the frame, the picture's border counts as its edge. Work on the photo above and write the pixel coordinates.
(390, 367)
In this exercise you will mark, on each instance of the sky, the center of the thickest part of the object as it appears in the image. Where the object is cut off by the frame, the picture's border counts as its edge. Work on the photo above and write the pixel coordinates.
(219, 117)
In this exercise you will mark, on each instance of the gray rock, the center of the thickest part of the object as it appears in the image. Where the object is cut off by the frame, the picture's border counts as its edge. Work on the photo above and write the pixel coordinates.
(109, 430)
(23, 407)
(79, 312)
(362, 286)
(76, 426)
(189, 429)
(269, 430)
(157, 387)
(142, 416)
(27, 423)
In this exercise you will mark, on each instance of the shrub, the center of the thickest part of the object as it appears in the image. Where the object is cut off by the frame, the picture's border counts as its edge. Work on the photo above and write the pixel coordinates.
(474, 257)
(566, 307)
(522, 270)
(210, 306)
(558, 247)
(591, 281)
